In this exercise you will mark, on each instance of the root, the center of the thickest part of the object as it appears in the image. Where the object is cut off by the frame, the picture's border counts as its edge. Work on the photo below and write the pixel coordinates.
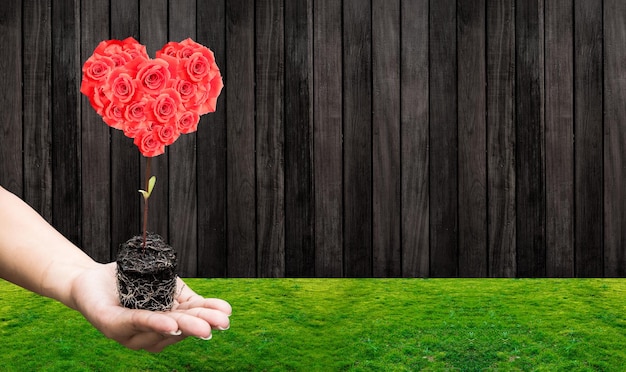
(146, 279)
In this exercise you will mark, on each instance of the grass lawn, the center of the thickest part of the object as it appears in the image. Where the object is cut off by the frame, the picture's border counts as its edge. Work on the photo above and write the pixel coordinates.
(350, 325)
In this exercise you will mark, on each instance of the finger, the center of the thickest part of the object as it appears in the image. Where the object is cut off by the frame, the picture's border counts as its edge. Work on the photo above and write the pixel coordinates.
(215, 318)
(192, 325)
(209, 303)
(141, 321)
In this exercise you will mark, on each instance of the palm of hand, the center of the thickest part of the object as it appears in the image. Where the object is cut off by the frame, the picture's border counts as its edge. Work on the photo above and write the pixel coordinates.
(94, 294)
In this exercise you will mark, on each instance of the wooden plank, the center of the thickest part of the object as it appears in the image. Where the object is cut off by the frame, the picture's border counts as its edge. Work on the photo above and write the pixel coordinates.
(240, 169)
(270, 76)
(386, 242)
(414, 133)
(299, 219)
(183, 197)
(327, 138)
(211, 142)
(66, 67)
(614, 139)
(559, 70)
(473, 259)
(37, 75)
(443, 140)
(153, 31)
(11, 133)
(501, 137)
(588, 34)
(357, 133)
(95, 142)
(126, 175)
(529, 140)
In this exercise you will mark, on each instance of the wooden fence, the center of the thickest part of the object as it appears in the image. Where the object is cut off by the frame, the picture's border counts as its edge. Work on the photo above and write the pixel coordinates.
(385, 138)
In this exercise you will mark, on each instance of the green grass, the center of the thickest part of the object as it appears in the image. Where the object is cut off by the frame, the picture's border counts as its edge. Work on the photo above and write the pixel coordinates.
(350, 325)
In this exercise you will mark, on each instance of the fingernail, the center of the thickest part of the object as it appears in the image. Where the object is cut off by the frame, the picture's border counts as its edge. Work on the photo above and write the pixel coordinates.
(207, 338)
(223, 329)
(176, 333)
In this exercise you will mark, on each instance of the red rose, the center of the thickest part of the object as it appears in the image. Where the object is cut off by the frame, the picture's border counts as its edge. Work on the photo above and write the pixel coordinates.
(169, 49)
(198, 67)
(185, 89)
(99, 100)
(148, 143)
(167, 133)
(121, 86)
(153, 75)
(114, 116)
(136, 111)
(133, 128)
(188, 122)
(165, 106)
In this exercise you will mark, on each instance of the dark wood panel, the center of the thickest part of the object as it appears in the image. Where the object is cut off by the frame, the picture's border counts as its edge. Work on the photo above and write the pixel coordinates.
(589, 136)
(501, 137)
(65, 120)
(11, 134)
(529, 107)
(299, 218)
(559, 83)
(37, 76)
(126, 174)
(472, 81)
(327, 140)
(386, 177)
(614, 139)
(357, 137)
(443, 140)
(414, 84)
(240, 168)
(183, 197)
(211, 142)
(398, 138)
(153, 32)
(270, 173)
(95, 154)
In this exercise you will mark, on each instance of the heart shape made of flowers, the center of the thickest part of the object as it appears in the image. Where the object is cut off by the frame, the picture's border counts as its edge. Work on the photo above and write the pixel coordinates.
(153, 101)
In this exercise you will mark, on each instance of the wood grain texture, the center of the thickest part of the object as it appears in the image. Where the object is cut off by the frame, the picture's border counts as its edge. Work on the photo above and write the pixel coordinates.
(65, 119)
(472, 132)
(211, 142)
(352, 139)
(415, 139)
(357, 136)
(588, 72)
(299, 218)
(559, 138)
(327, 138)
(501, 138)
(614, 139)
(95, 146)
(11, 133)
(37, 132)
(126, 175)
(241, 182)
(443, 140)
(386, 177)
(270, 162)
(183, 196)
(529, 108)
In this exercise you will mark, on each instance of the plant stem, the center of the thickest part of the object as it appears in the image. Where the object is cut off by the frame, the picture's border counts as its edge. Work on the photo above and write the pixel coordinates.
(145, 204)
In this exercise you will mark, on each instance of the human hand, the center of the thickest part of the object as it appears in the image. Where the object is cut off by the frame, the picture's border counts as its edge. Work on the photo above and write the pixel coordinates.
(94, 295)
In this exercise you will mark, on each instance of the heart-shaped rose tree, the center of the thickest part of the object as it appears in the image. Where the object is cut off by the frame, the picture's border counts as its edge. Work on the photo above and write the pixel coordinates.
(153, 101)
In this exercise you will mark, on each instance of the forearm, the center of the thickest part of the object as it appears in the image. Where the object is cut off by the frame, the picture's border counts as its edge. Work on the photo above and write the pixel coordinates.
(34, 255)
